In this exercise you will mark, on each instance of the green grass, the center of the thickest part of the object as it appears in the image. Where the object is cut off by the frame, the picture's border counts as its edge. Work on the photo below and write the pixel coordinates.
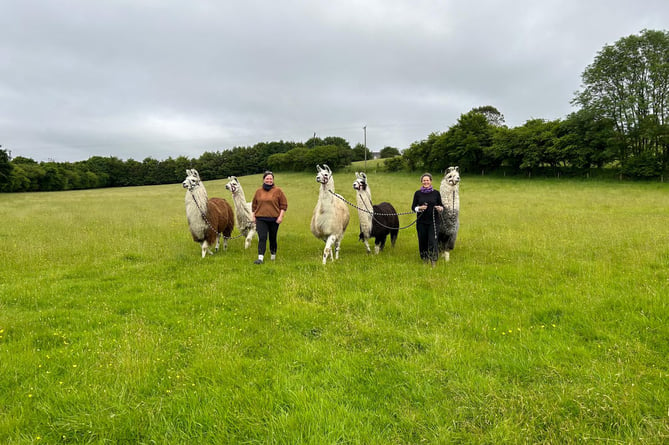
(550, 324)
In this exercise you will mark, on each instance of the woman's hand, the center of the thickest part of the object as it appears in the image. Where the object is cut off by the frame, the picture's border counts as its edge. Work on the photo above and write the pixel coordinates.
(439, 208)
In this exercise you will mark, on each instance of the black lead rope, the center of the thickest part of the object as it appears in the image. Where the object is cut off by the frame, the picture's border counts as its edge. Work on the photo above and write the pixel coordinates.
(434, 220)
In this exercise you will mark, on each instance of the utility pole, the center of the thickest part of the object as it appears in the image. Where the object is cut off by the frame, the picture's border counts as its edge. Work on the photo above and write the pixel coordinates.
(365, 145)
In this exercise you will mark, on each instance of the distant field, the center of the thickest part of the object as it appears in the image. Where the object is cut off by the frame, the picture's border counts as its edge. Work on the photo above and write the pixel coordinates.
(550, 324)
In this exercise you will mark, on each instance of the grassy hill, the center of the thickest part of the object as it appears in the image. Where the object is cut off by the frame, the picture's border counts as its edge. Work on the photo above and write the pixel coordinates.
(549, 324)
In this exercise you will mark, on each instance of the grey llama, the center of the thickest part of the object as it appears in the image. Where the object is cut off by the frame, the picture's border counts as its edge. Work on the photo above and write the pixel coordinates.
(450, 217)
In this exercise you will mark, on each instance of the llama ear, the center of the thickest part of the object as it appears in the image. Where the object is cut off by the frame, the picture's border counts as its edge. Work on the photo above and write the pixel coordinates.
(457, 169)
(327, 168)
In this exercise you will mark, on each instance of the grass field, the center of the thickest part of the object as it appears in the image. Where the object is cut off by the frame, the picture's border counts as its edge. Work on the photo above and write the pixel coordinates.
(550, 324)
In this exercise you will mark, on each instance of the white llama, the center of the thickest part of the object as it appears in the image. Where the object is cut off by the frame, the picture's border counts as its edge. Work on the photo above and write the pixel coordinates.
(376, 221)
(331, 215)
(208, 219)
(450, 217)
(242, 210)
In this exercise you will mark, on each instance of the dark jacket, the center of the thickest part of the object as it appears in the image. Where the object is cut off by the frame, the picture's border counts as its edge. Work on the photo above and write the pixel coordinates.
(431, 199)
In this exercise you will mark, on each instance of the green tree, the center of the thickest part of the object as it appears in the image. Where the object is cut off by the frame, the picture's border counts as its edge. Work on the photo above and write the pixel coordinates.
(395, 164)
(418, 152)
(389, 152)
(5, 170)
(628, 83)
(26, 175)
(359, 152)
(463, 144)
(492, 115)
(587, 140)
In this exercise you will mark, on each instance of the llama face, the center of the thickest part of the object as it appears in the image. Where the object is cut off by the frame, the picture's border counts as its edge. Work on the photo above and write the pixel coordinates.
(360, 183)
(192, 179)
(452, 176)
(324, 174)
(233, 184)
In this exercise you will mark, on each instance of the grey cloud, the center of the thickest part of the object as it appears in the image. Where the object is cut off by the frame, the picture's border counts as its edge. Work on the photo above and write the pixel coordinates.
(168, 78)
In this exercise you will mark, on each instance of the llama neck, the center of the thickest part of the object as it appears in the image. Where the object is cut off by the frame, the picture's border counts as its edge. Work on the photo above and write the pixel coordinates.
(239, 198)
(196, 199)
(243, 210)
(326, 191)
(196, 210)
(450, 197)
(364, 201)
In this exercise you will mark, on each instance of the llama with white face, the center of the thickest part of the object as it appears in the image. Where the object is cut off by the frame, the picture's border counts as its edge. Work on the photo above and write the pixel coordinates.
(376, 221)
(208, 219)
(331, 216)
(243, 213)
(450, 217)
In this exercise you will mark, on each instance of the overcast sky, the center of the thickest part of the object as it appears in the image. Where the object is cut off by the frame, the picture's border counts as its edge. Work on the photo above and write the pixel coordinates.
(165, 78)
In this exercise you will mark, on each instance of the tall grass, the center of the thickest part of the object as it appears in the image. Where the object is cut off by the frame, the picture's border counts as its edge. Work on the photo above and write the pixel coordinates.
(548, 325)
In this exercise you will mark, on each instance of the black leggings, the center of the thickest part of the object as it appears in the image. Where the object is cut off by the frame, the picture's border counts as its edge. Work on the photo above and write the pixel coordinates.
(265, 228)
(427, 243)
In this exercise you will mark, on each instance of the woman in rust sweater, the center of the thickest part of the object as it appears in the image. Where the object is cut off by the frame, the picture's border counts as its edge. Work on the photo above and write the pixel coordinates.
(268, 207)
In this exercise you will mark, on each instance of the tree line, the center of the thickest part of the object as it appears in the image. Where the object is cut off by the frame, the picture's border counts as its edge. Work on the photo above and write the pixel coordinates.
(622, 126)
(22, 174)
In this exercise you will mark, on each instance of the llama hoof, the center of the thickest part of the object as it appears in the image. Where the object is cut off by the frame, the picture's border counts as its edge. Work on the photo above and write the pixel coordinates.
(258, 261)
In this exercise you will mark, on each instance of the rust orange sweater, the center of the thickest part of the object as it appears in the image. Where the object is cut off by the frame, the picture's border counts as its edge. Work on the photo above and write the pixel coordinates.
(268, 204)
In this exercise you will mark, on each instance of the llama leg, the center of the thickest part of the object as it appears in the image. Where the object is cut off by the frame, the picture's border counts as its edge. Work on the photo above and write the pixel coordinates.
(205, 249)
(337, 243)
(446, 255)
(328, 249)
(380, 244)
(367, 245)
(218, 242)
(249, 238)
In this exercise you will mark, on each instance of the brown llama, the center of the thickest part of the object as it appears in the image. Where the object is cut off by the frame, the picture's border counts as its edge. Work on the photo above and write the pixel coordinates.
(208, 219)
